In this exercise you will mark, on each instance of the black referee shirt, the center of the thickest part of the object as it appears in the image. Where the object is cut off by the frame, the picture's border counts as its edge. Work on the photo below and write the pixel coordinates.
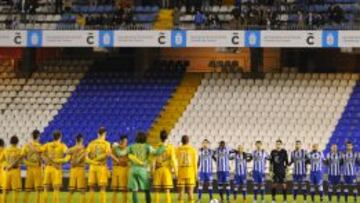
(279, 161)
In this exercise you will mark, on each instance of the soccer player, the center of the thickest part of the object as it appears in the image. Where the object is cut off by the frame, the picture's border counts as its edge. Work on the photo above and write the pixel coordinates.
(299, 160)
(120, 171)
(279, 161)
(333, 160)
(165, 165)
(350, 159)
(259, 160)
(187, 160)
(241, 159)
(139, 155)
(205, 166)
(33, 162)
(222, 156)
(97, 152)
(54, 156)
(77, 180)
(316, 159)
(11, 175)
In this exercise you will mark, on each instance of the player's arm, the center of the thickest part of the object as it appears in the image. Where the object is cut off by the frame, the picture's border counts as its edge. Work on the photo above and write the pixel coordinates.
(158, 151)
(174, 163)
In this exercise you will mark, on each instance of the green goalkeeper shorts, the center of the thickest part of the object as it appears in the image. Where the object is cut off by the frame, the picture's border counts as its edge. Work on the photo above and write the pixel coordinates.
(138, 179)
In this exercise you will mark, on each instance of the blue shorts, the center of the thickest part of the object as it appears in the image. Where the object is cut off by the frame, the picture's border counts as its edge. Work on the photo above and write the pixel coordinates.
(299, 179)
(240, 180)
(205, 177)
(334, 180)
(350, 180)
(223, 177)
(259, 178)
(316, 178)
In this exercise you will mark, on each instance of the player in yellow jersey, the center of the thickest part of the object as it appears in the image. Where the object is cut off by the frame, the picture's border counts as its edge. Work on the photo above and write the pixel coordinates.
(54, 156)
(164, 166)
(11, 175)
(2, 147)
(119, 179)
(97, 153)
(77, 180)
(187, 161)
(32, 160)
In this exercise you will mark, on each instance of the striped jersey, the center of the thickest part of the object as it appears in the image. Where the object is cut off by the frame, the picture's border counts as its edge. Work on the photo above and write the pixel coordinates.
(222, 159)
(241, 160)
(316, 159)
(205, 160)
(259, 160)
(333, 161)
(298, 158)
(350, 162)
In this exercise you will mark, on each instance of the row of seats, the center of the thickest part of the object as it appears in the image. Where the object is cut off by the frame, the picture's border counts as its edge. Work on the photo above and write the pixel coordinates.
(228, 106)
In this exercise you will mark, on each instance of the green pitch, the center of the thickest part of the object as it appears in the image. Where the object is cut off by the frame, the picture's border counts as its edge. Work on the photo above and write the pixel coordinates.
(205, 199)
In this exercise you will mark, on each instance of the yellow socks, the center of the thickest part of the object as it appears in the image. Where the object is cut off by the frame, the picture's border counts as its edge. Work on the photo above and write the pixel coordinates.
(91, 196)
(102, 196)
(115, 197)
(46, 196)
(168, 197)
(157, 197)
(56, 196)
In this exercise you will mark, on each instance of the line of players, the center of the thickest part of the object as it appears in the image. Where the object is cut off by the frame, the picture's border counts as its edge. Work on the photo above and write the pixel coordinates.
(339, 164)
(131, 163)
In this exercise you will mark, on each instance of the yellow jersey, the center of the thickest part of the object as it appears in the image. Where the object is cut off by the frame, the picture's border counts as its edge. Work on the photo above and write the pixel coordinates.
(187, 161)
(123, 160)
(98, 150)
(77, 156)
(31, 157)
(167, 159)
(1, 155)
(55, 153)
(11, 157)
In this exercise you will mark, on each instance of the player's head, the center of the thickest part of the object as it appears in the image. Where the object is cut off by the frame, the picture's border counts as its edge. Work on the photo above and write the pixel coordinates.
(141, 138)
(79, 138)
(2, 143)
(205, 143)
(258, 144)
(102, 132)
(349, 146)
(240, 148)
(334, 147)
(35, 135)
(124, 140)
(163, 136)
(57, 135)
(185, 139)
(298, 144)
(278, 144)
(315, 147)
(222, 144)
(14, 140)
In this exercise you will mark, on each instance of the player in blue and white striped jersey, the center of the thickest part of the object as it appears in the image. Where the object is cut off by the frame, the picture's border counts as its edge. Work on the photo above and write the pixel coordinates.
(351, 161)
(316, 159)
(298, 159)
(240, 180)
(222, 157)
(260, 157)
(205, 167)
(333, 160)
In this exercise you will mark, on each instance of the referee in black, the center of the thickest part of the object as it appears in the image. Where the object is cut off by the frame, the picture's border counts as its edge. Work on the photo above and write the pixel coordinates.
(278, 163)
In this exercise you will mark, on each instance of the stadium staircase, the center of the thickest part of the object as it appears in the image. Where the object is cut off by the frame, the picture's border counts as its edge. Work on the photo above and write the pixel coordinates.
(348, 127)
(118, 99)
(175, 106)
(164, 20)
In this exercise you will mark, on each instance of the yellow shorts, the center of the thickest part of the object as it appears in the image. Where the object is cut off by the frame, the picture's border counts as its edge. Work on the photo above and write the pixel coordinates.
(33, 178)
(12, 180)
(119, 178)
(98, 175)
(186, 180)
(52, 176)
(162, 178)
(77, 179)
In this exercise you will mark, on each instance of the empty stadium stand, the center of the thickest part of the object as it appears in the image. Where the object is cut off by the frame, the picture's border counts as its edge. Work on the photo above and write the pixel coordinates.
(287, 106)
(121, 101)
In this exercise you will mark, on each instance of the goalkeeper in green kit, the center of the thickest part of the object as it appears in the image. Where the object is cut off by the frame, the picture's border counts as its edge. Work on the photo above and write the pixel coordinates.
(139, 155)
